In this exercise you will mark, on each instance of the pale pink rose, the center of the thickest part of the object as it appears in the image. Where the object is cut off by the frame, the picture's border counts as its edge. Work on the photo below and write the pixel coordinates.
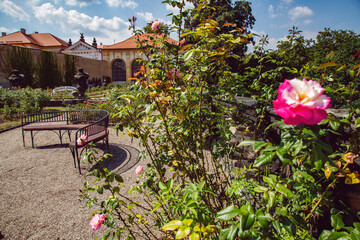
(97, 220)
(139, 170)
(155, 25)
(81, 140)
(301, 102)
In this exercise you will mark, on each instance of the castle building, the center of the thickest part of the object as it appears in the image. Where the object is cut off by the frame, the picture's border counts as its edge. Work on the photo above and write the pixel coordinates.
(83, 49)
(123, 57)
(43, 41)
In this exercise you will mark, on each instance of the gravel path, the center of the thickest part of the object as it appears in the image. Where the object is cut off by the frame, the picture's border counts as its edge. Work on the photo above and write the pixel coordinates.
(39, 191)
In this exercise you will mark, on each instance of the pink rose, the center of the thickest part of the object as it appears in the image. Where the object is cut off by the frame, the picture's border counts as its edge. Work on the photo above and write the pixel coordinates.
(101, 102)
(131, 101)
(139, 170)
(301, 102)
(155, 25)
(96, 221)
(81, 140)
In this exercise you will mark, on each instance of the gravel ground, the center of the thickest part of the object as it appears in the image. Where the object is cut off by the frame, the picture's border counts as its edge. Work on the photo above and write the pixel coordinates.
(39, 191)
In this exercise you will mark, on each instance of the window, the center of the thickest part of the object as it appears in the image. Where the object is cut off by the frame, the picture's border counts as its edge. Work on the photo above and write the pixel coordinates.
(119, 71)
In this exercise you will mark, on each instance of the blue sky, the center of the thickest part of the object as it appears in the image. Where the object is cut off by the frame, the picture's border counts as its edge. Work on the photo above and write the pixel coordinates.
(107, 20)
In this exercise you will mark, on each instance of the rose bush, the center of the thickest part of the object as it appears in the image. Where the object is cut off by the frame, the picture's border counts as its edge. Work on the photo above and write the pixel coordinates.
(285, 185)
(301, 102)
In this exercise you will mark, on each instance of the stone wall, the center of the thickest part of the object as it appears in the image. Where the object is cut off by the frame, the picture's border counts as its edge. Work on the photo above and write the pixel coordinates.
(95, 68)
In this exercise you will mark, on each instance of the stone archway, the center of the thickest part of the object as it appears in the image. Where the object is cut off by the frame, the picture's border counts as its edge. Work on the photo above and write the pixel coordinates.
(119, 71)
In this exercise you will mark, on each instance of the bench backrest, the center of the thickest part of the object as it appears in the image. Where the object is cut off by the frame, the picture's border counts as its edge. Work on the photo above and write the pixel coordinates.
(70, 117)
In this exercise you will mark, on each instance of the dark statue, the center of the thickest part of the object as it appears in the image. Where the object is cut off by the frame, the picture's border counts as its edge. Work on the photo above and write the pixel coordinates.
(81, 79)
(17, 79)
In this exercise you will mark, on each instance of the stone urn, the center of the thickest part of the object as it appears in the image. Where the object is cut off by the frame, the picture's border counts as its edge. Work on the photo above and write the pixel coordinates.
(16, 79)
(81, 79)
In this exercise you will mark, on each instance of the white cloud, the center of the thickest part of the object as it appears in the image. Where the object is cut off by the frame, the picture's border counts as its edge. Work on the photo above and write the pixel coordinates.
(300, 12)
(13, 10)
(80, 3)
(149, 17)
(175, 10)
(73, 22)
(271, 11)
(123, 3)
(146, 15)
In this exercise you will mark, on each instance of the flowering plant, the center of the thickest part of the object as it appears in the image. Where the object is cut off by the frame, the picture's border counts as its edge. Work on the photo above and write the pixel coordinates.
(301, 102)
(81, 140)
(96, 221)
(279, 187)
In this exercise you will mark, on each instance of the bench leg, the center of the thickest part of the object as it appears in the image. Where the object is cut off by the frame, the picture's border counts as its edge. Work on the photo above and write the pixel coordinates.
(60, 136)
(69, 135)
(23, 136)
(32, 139)
(74, 157)
(78, 159)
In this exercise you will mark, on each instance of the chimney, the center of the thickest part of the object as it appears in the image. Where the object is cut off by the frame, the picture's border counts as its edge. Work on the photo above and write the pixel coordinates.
(23, 30)
(3, 34)
(36, 32)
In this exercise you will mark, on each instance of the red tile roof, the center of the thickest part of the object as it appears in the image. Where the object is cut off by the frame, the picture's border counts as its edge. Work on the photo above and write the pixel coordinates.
(40, 39)
(131, 43)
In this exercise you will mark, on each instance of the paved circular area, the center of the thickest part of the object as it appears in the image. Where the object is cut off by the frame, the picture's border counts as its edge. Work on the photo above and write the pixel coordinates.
(39, 191)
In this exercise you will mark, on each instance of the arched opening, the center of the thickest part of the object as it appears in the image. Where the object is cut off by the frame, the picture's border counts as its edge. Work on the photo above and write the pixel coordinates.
(135, 67)
(119, 71)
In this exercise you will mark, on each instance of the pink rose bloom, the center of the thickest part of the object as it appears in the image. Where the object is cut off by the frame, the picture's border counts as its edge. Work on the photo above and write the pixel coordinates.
(131, 101)
(301, 102)
(101, 102)
(81, 140)
(139, 170)
(96, 221)
(155, 25)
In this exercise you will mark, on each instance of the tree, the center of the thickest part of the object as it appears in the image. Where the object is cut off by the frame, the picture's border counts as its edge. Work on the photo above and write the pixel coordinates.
(230, 17)
(69, 70)
(21, 59)
(49, 75)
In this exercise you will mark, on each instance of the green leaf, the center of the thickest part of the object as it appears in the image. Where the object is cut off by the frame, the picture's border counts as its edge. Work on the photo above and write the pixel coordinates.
(100, 189)
(264, 158)
(172, 225)
(336, 236)
(328, 64)
(263, 220)
(194, 236)
(187, 222)
(227, 213)
(246, 143)
(307, 176)
(119, 178)
(289, 226)
(259, 145)
(357, 123)
(260, 189)
(229, 233)
(336, 222)
(183, 232)
(246, 221)
(284, 190)
(188, 55)
(334, 124)
(162, 186)
(280, 154)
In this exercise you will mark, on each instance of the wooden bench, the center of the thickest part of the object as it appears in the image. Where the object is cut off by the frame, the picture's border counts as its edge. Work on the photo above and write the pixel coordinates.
(92, 123)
